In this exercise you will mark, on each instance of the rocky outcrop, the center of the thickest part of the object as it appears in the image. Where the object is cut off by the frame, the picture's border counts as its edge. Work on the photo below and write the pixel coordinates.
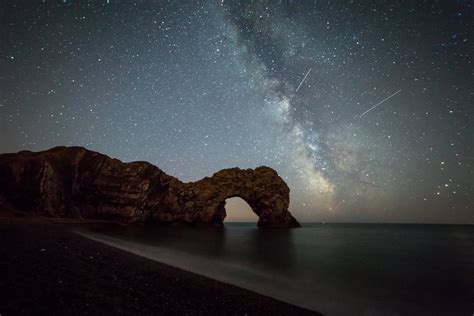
(76, 182)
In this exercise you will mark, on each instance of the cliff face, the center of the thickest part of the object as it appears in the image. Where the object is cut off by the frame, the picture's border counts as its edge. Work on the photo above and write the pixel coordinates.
(76, 182)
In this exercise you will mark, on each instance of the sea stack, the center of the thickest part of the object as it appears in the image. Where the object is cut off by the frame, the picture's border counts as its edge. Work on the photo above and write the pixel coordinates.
(74, 182)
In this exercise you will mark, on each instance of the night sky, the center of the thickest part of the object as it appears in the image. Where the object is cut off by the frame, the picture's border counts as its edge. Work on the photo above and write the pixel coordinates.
(365, 109)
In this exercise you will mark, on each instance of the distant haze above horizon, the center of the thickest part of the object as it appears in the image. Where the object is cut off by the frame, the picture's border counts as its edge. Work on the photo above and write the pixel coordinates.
(365, 109)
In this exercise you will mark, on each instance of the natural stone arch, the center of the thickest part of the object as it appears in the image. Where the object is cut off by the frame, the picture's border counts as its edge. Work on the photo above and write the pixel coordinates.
(76, 182)
(262, 188)
(238, 210)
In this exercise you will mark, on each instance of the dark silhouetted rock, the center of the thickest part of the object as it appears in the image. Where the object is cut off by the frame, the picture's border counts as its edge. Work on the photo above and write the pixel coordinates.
(79, 183)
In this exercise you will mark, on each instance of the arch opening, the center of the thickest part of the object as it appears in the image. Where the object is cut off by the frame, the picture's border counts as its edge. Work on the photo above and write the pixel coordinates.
(238, 210)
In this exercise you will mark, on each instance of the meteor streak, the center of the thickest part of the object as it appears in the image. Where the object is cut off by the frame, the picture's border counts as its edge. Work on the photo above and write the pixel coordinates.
(380, 103)
(303, 80)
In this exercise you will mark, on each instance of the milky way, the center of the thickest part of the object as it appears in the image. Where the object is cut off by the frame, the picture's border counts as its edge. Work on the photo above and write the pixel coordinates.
(365, 109)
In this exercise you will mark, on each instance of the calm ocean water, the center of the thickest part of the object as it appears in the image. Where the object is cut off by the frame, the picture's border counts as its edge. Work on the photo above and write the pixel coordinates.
(337, 269)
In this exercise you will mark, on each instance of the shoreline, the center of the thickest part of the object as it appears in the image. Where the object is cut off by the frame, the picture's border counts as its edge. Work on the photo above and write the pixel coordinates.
(49, 269)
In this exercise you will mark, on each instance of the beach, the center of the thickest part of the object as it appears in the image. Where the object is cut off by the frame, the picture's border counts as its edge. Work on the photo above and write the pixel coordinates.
(48, 269)
(65, 266)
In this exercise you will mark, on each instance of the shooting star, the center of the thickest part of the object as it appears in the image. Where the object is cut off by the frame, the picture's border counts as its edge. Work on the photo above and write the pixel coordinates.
(303, 80)
(380, 103)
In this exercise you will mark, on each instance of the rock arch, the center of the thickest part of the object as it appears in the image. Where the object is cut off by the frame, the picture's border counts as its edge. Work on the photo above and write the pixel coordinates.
(76, 182)
(262, 188)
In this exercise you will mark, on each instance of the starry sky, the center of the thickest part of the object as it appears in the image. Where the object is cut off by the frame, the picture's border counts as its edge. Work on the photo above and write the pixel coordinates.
(365, 109)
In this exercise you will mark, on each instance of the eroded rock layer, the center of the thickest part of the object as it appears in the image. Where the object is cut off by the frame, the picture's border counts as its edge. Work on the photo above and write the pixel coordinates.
(76, 182)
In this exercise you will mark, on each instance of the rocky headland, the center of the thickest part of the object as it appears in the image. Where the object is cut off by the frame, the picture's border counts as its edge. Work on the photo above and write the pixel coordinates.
(73, 182)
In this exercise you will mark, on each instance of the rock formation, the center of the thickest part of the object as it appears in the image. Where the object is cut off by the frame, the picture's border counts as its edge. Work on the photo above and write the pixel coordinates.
(76, 182)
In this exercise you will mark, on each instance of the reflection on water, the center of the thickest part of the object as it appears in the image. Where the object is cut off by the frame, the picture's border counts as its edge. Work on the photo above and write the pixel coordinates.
(337, 269)
(237, 242)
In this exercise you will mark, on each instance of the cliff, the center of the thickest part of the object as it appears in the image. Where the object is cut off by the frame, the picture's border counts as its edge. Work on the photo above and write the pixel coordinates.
(79, 183)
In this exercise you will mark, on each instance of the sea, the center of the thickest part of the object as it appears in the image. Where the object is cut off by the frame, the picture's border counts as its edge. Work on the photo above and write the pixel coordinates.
(336, 269)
